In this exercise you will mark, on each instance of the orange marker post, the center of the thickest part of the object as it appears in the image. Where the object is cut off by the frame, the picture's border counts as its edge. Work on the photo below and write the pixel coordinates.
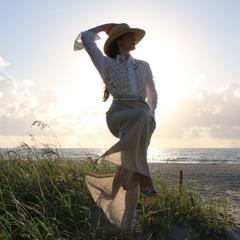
(180, 182)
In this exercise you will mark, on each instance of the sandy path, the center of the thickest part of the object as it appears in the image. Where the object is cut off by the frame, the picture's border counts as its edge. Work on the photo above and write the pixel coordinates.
(215, 178)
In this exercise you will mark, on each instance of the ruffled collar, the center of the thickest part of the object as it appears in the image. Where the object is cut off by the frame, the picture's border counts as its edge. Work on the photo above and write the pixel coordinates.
(121, 59)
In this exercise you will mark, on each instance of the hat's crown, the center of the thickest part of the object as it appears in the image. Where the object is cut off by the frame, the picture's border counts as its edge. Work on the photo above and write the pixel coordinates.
(118, 27)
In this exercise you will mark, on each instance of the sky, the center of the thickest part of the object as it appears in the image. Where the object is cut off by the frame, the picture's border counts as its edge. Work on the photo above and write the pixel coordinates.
(192, 47)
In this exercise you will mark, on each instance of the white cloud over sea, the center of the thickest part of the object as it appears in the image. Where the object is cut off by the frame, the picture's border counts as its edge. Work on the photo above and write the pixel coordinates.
(204, 113)
(19, 109)
(199, 114)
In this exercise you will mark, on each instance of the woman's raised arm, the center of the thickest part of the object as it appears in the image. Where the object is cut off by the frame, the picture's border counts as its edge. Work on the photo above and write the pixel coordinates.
(88, 40)
(103, 28)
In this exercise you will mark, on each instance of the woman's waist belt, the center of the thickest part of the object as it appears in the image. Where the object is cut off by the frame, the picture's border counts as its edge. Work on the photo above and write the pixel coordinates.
(129, 98)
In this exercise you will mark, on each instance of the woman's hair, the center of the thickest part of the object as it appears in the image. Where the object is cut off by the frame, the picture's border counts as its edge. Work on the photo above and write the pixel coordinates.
(112, 53)
(113, 50)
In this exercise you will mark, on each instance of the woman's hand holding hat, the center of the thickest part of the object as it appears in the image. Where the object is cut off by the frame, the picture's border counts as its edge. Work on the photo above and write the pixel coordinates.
(103, 28)
(109, 27)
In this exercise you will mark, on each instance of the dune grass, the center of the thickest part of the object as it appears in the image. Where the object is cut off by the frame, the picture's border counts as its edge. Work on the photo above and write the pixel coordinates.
(46, 198)
(43, 196)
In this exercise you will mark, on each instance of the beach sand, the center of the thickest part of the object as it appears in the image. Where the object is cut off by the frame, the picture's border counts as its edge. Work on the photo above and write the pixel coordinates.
(220, 179)
(211, 179)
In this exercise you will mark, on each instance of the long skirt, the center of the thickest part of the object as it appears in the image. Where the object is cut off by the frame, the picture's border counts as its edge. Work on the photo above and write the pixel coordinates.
(117, 193)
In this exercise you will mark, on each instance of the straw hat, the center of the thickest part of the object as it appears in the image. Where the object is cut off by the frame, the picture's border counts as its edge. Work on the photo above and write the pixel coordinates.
(119, 30)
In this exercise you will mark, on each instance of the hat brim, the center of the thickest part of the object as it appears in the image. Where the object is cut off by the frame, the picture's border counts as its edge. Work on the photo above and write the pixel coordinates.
(139, 34)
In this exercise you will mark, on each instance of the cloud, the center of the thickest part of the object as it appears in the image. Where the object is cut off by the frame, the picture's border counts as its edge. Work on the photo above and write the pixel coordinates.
(28, 82)
(3, 63)
(200, 78)
(237, 93)
(202, 113)
(12, 103)
(19, 109)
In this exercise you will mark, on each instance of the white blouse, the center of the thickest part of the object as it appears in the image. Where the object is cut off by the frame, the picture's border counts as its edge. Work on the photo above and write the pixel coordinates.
(122, 76)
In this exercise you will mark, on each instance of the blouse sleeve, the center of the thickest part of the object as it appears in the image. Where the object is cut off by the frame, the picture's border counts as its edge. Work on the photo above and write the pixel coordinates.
(87, 40)
(151, 92)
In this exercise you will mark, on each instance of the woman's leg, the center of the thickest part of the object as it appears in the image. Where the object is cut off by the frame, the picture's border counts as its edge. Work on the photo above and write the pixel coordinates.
(145, 181)
(147, 187)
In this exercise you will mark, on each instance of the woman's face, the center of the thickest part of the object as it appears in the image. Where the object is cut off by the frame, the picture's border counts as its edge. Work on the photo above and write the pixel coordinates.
(127, 42)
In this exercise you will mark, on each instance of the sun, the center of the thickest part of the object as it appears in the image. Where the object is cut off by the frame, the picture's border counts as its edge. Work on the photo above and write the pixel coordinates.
(167, 68)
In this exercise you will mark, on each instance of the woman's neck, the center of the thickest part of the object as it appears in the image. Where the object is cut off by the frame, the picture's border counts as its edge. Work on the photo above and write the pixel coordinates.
(125, 53)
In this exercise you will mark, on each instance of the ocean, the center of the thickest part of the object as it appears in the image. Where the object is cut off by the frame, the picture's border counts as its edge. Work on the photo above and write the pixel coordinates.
(161, 155)
(172, 155)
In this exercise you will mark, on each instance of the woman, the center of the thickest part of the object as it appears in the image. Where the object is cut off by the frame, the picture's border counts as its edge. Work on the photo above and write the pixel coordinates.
(130, 118)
